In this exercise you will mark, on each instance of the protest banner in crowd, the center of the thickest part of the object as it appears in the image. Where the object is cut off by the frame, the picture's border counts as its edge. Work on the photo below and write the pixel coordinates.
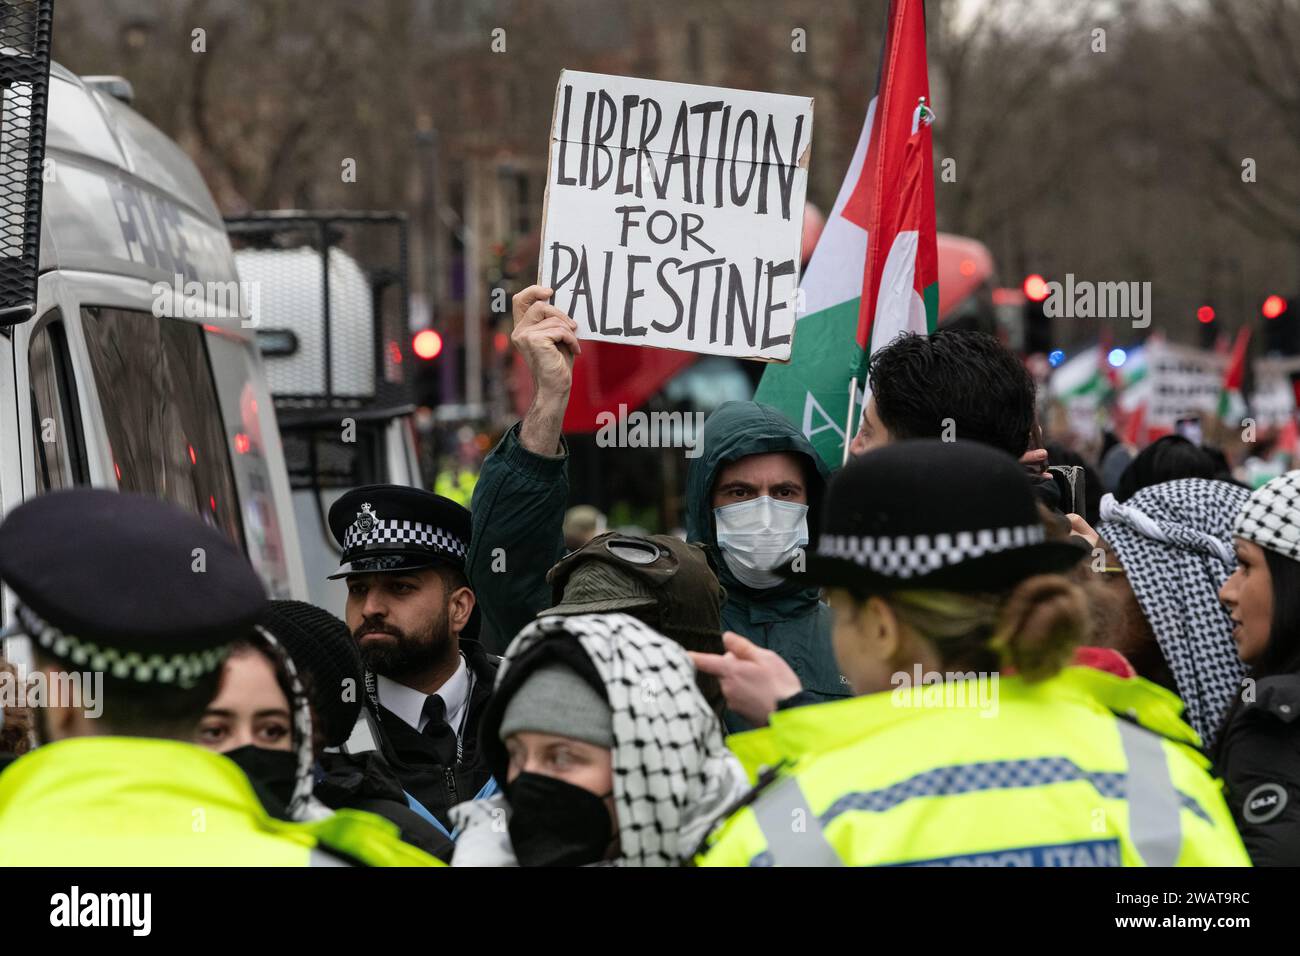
(674, 213)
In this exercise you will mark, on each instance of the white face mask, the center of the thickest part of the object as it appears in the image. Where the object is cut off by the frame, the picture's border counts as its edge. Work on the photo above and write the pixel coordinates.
(759, 535)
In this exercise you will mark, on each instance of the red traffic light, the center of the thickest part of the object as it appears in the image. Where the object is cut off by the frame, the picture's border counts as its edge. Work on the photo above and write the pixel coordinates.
(1205, 315)
(1273, 306)
(1035, 288)
(427, 344)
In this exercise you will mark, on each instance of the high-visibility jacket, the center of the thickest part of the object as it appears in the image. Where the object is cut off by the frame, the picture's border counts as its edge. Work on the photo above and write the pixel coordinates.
(459, 487)
(131, 801)
(1045, 774)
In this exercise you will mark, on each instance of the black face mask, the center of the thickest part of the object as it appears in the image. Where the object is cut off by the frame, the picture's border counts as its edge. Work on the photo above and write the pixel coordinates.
(273, 773)
(553, 823)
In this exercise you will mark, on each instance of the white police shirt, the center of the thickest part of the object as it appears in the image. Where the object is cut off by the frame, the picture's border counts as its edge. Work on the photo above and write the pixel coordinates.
(408, 703)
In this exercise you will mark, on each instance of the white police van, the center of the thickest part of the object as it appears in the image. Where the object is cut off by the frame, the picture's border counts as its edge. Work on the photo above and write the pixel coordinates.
(136, 371)
(330, 310)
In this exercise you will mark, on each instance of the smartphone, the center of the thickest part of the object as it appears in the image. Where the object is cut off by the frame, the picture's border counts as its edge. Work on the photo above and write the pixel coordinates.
(1070, 480)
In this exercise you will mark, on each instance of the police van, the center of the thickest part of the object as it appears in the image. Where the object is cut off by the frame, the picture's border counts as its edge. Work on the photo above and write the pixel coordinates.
(329, 304)
(138, 368)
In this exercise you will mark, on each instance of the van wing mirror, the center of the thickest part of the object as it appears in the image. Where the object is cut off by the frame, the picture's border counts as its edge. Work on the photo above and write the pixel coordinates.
(25, 28)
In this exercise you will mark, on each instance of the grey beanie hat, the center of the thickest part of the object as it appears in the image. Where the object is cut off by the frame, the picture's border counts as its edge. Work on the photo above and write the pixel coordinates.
(555, 699)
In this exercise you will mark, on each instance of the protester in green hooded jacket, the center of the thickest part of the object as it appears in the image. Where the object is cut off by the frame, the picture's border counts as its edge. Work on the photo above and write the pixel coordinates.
(752, 495)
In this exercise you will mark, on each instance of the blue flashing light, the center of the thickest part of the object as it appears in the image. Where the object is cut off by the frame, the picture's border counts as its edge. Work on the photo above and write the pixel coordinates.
(1117, 357)
(1055, 357)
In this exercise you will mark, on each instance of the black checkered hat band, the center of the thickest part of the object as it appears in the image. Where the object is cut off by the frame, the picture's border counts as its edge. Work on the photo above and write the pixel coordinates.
(139, 666)
(1271, 516)
(398, 532)
(910, 556)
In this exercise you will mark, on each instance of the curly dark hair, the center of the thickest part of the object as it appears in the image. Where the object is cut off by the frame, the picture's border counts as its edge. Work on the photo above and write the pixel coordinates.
(16, 727)
(919, 381)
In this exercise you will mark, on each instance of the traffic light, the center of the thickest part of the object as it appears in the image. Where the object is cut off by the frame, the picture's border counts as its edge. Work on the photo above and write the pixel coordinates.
(1035, 288)
(427, 346)
(1205, 315)
(1038, 326)
(1281, 326)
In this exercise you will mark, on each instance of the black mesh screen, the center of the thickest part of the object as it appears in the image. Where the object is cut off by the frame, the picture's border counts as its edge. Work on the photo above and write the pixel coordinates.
(333, 293)
(319, 458)
(24, 88)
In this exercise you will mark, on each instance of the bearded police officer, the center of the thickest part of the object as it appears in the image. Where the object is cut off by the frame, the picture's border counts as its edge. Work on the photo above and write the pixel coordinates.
(414, 618)
(134, 603)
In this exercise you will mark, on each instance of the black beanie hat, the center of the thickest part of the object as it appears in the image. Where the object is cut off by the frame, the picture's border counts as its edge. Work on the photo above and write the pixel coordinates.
(322, 649)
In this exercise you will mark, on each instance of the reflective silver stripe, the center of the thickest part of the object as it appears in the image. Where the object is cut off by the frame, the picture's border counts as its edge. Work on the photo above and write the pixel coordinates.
(320, 857)
(1154, 805)
(793, 832)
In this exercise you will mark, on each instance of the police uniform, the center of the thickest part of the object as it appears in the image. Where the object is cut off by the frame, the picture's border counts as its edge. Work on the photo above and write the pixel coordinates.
(1081, 768)
(430, 740)
(134, 589)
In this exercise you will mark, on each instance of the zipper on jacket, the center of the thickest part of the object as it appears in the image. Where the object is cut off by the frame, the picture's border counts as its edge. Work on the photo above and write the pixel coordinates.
(451, 786)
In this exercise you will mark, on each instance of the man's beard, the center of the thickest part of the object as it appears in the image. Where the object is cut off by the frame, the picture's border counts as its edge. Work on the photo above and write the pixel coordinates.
(407, 654)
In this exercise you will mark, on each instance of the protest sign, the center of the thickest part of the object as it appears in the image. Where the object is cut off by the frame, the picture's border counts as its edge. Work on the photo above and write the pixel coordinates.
(674, 213)
(1185, 382)
(1277, 381)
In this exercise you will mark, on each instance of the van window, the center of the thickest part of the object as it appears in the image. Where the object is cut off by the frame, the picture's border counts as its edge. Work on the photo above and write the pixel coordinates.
(161, 412)
(234, 367)
(322, 458)
(60, 447)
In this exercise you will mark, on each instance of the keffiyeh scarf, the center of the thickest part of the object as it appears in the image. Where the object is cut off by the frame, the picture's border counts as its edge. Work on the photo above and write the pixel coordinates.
(1175, 541)
(1271, 516)
(673, 775)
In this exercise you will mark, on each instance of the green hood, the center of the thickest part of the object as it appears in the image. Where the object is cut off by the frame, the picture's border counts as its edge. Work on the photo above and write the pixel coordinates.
(735, 430)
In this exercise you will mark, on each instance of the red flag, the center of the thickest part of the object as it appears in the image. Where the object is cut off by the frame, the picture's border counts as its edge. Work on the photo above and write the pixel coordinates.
(1237, 366)
(605, 376)
(894, 197)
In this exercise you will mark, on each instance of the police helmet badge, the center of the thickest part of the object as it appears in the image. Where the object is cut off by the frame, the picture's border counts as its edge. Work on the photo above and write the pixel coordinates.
(366, 519)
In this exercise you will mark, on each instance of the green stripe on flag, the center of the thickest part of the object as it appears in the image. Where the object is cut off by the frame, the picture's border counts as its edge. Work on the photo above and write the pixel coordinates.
(813, 389)
(931, 298)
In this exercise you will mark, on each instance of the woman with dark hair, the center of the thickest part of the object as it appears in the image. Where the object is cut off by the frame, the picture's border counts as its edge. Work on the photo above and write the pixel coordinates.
(261, 719)
(289, 699)
(1259, 747)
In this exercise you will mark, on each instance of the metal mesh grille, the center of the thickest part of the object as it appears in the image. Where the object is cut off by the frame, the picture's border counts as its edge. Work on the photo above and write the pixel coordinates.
(321, 459)
(329, 298)
(24, 86)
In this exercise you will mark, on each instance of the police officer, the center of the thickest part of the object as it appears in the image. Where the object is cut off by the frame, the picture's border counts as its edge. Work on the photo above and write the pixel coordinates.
(414, 618)
(972, 742)
(130, 605)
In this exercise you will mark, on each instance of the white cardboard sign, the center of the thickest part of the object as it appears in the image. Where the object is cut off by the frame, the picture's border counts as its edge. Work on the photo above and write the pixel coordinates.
(1185, 382)
(674, 213)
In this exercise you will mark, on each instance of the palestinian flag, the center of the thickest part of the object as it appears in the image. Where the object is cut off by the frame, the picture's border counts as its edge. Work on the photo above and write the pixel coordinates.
(1232, 405)
(874, 273)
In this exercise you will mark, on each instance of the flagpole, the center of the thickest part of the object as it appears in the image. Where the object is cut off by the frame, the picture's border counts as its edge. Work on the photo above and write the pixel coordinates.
(849, 430)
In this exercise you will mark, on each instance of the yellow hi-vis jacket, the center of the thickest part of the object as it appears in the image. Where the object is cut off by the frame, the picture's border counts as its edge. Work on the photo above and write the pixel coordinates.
(1022, 774)
(131, 801)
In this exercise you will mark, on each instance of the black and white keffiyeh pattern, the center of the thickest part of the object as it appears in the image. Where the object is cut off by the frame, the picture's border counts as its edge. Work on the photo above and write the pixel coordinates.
(1271, 516)
(302, 804)
(1175, 542)
(673, 775)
